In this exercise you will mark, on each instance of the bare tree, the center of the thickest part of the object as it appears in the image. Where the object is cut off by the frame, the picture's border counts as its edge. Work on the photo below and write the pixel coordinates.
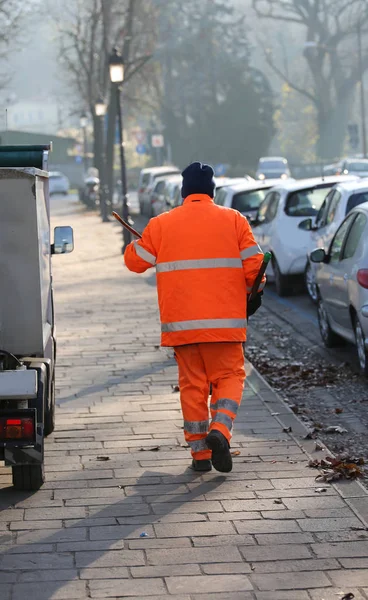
(329, 40)
(11, 13)
(87, 32)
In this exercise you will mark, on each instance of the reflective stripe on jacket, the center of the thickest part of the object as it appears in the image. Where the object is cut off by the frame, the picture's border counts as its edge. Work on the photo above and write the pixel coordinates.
(206, 260)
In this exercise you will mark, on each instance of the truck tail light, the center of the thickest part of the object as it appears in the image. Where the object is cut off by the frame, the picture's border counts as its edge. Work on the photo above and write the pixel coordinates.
(362, 277)
(17, 429)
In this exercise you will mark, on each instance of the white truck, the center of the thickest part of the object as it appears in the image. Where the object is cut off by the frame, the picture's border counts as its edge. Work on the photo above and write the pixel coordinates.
(27, 328)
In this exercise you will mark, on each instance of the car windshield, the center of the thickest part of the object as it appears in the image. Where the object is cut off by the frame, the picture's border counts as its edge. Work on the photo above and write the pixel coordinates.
(357, 166)
(272, 164)
(356, 199)
(306, 203)
(250, 200)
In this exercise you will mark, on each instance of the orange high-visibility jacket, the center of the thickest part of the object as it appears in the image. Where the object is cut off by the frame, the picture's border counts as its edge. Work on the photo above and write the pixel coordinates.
(206, 262)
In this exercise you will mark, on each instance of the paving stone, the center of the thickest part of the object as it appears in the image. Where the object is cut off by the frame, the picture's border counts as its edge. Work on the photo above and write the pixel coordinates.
(328, 524)
(48, 575)
(36, 561)
(276, 552)
(251, 505)
(167, 570)
(187, 507)
(294, 566)
(268, 526)
(119, 558)
(209, 583)
(53, 535)
(223, 540)
(119, 532)
(335, 593)
(193, 555)
(195, 529)
(5, 591)
(26, 525)
(225, 568)
(349, 577)
(127, 587)
(284, 538)
(105, 573)
(340, 550)
(291, 581)
(147, 543)
(34, 514)
(284, 595)
(74, 590)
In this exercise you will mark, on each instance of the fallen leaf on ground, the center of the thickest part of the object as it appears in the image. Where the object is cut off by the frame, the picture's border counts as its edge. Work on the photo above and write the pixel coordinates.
(278, 501)
(175, 388)
(102, 458)
(338, 411)
(320, 490)
(348, 596)
(287, 430)
(335, 429)
(154, 449)
(359, 528)
(235, 453)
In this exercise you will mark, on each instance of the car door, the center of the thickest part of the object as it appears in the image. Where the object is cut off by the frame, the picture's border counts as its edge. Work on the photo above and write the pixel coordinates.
(346, 280)
(332, 221)
(331, 279)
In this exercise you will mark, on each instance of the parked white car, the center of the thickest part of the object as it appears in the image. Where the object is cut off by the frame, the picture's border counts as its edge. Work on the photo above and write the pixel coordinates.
(342, 285)
(338, 203)
(245, 197)
(354, 166)
(58, 183)
(146, 182)
(276, 228)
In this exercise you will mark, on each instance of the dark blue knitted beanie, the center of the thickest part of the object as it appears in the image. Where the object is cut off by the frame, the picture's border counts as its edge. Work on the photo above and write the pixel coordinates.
(198, 179)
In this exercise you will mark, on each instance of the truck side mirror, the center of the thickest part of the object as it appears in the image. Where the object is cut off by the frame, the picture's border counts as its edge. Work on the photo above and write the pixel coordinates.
(63, 240)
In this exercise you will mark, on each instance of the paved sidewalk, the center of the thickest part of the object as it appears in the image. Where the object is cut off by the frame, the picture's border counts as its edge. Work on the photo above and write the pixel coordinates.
(121, 515)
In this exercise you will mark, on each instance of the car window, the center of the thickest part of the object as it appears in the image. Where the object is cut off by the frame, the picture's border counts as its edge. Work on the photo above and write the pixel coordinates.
(160, 187)
(145, 179)
(220, 197)
(322, 213)
(306, 203)
(250, 200)
(334, 203)
(354, 236)
(272, 208)
(338, 241)
(264, 207)
(355, 200)
(357, 166)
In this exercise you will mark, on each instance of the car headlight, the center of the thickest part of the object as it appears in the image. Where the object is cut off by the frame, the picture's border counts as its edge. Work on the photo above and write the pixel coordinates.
(261, 176)
(284, 176)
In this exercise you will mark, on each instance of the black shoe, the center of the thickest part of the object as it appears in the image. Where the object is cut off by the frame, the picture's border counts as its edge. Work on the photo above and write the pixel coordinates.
(201, 465)
(221, 456)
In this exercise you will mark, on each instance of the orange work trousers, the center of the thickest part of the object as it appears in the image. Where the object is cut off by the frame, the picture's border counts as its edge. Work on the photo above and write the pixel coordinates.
(222, 365)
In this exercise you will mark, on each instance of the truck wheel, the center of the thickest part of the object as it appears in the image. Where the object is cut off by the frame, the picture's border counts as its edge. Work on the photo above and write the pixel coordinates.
(49, 424)
(28, 477)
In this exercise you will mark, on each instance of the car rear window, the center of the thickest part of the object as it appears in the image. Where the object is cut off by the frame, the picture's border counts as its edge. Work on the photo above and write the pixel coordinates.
(163, 174)
(145, 178)
(355, 200)
(250, 200)
(357, 166)
(306, 203)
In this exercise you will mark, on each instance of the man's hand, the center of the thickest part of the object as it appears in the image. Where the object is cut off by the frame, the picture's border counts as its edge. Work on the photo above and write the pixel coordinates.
(254, 305)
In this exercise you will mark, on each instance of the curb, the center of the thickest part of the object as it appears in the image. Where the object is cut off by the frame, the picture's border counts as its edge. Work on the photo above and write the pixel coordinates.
(352, 492)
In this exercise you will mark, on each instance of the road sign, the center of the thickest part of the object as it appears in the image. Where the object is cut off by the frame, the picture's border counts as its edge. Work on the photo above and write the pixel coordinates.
(140, 136)
(157, 141)
(141, 149)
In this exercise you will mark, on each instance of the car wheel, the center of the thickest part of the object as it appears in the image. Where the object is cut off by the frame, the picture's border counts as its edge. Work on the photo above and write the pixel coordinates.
(361, 347)
(281, 281)
(310, 283)
(329, 337)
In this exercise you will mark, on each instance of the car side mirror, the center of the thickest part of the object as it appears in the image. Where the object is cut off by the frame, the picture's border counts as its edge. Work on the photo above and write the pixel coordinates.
(306, 225)
(318, 256)
(63, 240)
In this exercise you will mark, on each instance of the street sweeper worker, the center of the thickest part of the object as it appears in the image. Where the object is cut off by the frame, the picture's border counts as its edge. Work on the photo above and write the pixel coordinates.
(207, 261)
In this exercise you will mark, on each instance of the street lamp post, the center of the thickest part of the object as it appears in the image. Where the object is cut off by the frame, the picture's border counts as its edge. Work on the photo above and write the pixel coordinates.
(116, 65)
(100, 109)
(83, 124)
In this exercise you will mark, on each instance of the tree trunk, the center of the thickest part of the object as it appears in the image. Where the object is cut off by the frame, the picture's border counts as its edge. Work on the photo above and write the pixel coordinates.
(333, 129)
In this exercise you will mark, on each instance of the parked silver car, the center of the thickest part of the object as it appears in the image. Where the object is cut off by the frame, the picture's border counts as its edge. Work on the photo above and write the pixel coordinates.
(147, 179)
(342, 284)
(58, 183)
